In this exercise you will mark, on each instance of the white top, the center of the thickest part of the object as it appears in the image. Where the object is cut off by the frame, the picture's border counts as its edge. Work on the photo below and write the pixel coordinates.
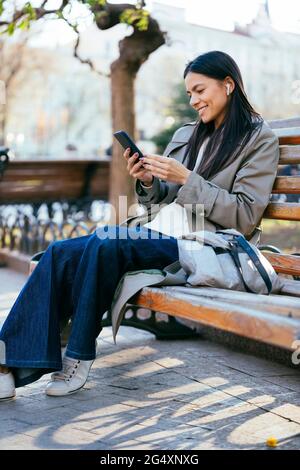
(200, 154)
(172, 219)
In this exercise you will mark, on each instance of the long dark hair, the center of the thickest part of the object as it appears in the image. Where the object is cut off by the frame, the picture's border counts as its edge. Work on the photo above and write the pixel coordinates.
(239, 124)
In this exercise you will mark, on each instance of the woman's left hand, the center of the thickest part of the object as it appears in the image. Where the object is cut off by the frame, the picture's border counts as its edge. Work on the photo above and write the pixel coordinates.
(166, 168)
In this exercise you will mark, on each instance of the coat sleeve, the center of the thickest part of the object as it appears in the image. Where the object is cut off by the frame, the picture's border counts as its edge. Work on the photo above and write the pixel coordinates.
(159, 189)
(153, 195)
(242, 207)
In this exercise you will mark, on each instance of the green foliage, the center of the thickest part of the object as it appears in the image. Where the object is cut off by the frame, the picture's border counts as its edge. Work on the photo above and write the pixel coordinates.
(162, 139)
(30, 12)
(11, 28)
(179, 107)
(138, 18)
(25, 24)
(60, 15)
(94, 3)
(181, 111)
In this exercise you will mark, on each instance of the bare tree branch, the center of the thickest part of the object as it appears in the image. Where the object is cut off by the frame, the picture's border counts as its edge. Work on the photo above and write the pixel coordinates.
(17, 63)
(87, 61)
(40, 12)
(134, 49)
(75, 51)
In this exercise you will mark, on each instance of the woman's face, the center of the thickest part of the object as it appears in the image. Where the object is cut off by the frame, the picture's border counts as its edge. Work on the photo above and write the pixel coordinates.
(208, 96)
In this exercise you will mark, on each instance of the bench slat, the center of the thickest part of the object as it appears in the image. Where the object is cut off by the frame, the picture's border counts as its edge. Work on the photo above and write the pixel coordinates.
(289, 122)
(37, 181)
(250, 323)
(289, 154)
(283, 211)
(286, 185)
(288, 136)
(285, 264)
(280, 304)
(290, 139)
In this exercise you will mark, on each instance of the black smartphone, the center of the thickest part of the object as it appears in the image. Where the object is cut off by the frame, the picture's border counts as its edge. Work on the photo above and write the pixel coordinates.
(126, 141)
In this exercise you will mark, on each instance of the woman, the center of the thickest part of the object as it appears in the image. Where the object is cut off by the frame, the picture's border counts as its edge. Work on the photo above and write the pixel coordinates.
(224, 163)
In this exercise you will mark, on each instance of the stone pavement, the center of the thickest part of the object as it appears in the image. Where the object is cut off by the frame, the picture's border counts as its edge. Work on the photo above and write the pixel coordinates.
(149, 394)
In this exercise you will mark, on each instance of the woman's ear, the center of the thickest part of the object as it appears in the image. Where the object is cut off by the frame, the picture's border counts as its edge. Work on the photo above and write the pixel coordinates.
(230, 85)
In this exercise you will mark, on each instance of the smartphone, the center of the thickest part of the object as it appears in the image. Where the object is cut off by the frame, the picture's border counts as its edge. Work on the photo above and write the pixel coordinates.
(126, 141)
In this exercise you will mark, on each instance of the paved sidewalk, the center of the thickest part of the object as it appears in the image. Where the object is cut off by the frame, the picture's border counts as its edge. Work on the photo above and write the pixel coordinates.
(149, 394)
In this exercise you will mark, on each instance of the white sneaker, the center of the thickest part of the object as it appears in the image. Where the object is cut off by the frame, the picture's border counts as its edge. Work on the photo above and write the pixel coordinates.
(70, 379)
(7, 386)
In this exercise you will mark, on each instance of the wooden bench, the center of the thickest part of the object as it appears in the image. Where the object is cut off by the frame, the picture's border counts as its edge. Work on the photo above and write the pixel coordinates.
(274, 319)
(38, 181)
(73, 182)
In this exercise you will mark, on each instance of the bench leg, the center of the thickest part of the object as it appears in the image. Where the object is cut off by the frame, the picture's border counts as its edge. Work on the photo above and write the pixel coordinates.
(163, 330)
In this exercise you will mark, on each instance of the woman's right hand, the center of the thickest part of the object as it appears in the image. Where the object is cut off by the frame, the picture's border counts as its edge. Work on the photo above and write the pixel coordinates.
(136, 169)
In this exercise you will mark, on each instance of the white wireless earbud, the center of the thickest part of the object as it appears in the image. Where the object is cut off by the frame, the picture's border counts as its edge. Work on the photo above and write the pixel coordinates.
(228, 89)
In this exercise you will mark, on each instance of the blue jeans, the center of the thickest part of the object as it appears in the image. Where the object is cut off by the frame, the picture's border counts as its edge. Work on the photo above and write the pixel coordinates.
(76, 279)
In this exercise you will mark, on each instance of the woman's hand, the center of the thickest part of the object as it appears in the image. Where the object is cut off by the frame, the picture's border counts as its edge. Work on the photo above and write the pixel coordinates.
(136, 169)
(165, 168)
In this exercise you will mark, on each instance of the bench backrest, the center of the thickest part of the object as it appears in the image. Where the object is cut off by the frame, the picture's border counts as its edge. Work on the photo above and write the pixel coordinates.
(49, 180)
(288, 132)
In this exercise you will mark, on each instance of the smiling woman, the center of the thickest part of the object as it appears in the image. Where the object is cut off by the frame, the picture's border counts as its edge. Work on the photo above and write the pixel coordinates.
(216, 90)
(205, 96)
(219, 170)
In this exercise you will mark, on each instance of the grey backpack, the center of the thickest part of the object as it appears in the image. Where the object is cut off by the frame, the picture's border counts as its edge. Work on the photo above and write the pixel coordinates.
(225, 259)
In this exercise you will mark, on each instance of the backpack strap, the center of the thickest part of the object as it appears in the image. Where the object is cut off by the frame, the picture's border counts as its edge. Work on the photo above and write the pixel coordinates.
(234, 253)
(242, 242)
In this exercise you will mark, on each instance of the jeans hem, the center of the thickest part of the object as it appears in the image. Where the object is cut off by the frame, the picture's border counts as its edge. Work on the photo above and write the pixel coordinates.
(21, 382)
(34, 365)
(76, 355)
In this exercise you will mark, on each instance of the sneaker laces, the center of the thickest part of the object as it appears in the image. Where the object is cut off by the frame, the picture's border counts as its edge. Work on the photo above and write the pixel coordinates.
(69, 369)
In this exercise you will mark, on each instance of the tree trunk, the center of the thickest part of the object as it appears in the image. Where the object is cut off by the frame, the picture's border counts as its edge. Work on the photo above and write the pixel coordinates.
(123, 118)
(134, 51)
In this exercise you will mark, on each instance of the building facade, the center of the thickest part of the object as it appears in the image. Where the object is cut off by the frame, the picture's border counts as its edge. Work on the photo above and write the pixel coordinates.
(69, 107)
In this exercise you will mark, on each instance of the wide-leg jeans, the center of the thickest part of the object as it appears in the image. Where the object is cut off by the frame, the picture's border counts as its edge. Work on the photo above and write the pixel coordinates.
(76, 279)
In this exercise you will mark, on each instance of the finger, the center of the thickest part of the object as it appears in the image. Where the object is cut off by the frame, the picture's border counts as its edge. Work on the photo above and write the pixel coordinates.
(138, 175)
(132, 160)
(157, 158)
(126, 154)
(156, 167)
(159, 174)
(136, 167)
(155, 163)
(133, 157)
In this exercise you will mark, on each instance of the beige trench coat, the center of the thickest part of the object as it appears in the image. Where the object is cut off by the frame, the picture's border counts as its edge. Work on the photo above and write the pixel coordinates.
(235, 198)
